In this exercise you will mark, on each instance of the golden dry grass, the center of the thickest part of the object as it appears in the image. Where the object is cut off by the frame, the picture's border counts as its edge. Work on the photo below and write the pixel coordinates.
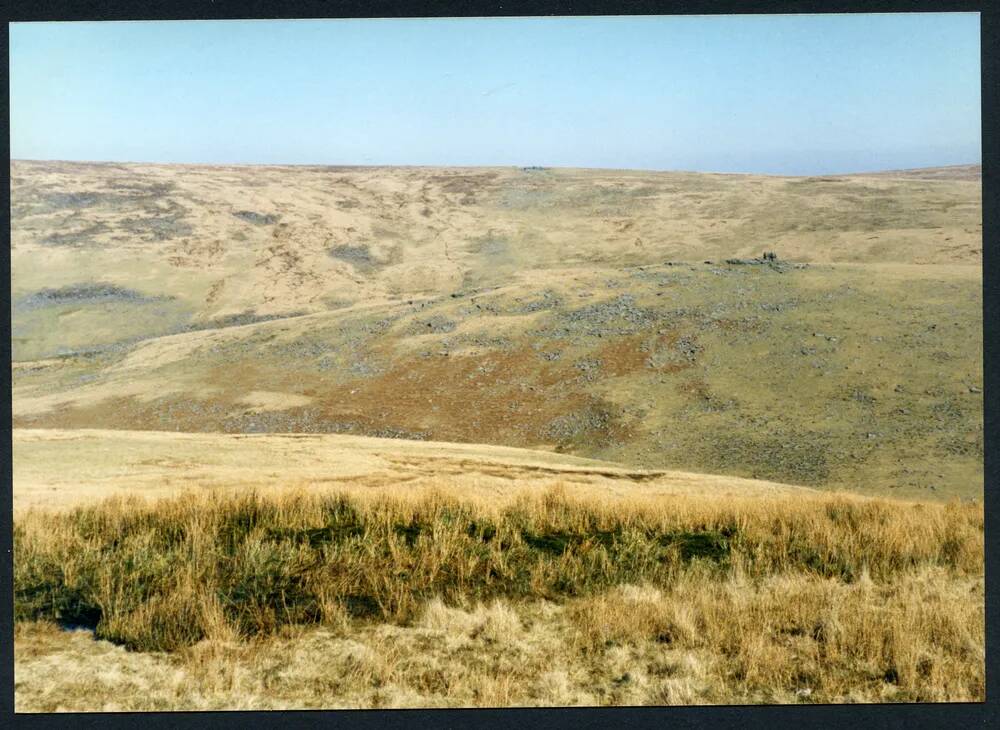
(430, 598)
(58, 469)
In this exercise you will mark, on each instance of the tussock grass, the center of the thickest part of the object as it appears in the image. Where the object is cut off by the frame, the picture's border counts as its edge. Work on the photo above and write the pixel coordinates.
(919, 638)
(832, 596)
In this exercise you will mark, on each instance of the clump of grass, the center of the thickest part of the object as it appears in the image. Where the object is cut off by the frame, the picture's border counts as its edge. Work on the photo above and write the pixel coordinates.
(168, 574)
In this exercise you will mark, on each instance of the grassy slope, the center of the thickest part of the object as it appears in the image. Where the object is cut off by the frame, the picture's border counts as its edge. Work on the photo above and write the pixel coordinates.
(142, 301)
(63, 469)
(530, 309)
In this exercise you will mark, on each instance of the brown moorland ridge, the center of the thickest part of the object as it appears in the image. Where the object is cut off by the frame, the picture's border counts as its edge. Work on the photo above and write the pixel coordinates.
(949, 172)
(593, 312)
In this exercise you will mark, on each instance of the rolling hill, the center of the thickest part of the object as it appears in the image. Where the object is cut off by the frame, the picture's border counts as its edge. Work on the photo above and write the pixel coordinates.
(623, 316)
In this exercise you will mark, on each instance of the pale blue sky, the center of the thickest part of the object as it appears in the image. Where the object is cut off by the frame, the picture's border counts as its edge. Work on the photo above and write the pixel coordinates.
(774, 94)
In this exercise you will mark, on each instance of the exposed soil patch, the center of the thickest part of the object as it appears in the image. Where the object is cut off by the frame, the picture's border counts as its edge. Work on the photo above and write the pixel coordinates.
(633, 353)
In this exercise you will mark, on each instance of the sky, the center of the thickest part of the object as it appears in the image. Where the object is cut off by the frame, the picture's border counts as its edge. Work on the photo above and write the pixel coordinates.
(799, 95)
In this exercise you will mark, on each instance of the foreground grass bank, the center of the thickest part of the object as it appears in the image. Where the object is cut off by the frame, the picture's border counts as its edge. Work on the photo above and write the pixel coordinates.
(309, 600)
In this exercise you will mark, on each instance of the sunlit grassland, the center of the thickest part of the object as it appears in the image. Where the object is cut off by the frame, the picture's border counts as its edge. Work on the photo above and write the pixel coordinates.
(392, 600)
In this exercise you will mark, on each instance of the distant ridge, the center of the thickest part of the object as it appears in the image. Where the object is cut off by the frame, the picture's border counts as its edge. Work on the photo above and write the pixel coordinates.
(946, 172)
(949, 172)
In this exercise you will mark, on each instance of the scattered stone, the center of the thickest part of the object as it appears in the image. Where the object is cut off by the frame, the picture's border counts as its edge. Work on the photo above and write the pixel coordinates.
(594, 318)
(576, 424)
(436, 324)
(768, 258)
(549, 300)
(589, 367)
(362, 369)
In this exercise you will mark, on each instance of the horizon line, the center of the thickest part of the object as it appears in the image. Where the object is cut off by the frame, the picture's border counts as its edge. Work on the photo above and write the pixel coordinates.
(495, 167)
